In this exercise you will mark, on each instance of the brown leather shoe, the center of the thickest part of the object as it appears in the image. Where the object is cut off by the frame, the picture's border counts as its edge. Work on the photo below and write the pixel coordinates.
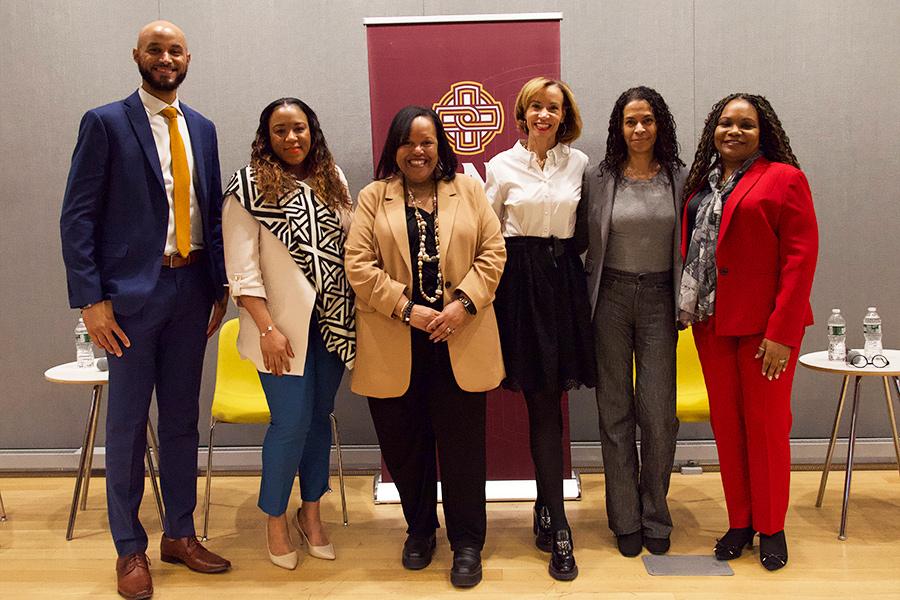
(190, 552)
(133, 576)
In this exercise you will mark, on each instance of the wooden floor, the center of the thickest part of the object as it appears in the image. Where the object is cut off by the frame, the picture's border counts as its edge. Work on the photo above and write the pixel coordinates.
(37, 562)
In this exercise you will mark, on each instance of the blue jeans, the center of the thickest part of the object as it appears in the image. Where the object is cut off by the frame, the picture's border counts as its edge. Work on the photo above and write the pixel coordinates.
(299, 435)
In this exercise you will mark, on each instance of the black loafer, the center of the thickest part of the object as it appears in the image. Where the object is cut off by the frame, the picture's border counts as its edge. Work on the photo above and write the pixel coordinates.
(562, 557)
(773, 552)
(731, 545)
(630, 544)
(657, 545)
(466, 570)
(543, 534)
(417, 552)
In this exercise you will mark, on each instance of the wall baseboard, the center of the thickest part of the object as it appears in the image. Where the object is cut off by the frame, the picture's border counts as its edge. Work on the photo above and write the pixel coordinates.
(585, 455)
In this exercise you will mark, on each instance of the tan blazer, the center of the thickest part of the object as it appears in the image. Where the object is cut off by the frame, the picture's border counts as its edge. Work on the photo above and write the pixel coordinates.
(259, 264)
(379, 269)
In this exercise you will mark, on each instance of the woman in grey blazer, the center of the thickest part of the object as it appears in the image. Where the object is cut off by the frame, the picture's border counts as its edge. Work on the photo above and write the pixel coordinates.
(630, 214)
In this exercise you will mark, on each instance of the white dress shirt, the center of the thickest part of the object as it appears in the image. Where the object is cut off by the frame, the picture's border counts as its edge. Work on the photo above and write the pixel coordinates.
(159, 125)
(534, 201)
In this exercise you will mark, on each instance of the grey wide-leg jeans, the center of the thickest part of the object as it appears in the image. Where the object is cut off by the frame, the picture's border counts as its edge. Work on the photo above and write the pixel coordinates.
(634, 329)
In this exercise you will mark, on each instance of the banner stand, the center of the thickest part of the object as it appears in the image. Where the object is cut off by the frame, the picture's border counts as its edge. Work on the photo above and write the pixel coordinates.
(469, 70)
(513, 490)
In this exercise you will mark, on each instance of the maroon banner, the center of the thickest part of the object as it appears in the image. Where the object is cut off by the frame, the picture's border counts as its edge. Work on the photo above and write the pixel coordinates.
(470, 74)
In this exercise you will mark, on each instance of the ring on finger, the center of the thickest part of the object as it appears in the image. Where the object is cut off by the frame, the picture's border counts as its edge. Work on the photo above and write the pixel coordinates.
(783, 361)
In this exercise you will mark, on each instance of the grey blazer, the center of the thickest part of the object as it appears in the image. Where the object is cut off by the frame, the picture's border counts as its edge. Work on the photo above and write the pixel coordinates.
(598, 194)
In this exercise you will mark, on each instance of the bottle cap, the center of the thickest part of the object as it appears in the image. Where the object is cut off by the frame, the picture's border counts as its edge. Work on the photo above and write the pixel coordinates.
(835, 310)
(871, 309)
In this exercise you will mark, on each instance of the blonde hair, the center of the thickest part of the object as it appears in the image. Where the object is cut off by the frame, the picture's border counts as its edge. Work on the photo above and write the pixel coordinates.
(570, 128)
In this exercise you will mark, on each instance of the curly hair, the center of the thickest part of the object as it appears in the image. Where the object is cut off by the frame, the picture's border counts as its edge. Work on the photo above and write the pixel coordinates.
(773, 141)
(570, 128)
(273, 180)
(666, 148)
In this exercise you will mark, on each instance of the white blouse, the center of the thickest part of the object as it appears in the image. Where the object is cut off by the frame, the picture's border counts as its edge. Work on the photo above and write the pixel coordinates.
(534, 201)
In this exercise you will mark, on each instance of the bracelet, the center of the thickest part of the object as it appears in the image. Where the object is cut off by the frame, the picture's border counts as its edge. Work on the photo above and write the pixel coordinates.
(406, 313)
(87, 306)
(268, 330)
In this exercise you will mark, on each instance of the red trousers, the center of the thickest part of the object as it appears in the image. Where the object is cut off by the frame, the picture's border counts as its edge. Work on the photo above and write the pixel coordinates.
(751, 421)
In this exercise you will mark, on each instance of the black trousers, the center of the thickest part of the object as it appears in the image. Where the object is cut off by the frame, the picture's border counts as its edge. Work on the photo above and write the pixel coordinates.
(436, 421)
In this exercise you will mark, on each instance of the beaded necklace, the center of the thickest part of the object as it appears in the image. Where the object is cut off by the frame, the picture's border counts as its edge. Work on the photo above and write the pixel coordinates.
(423, 256)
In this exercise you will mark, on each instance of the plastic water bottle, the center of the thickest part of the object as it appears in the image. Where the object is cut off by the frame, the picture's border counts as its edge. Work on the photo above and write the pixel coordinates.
(837, 336)
(872, 331)
(84, 349)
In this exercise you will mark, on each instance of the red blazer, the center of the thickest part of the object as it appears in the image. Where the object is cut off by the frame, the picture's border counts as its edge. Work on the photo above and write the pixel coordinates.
(766, 255)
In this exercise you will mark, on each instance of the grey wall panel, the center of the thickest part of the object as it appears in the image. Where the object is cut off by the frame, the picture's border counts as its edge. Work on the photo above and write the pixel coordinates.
(829, 67)
(59, 59)
(830, 70)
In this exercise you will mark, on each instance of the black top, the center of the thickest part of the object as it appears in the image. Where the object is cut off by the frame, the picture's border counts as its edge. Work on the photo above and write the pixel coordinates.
(429, 269)
(694, 204)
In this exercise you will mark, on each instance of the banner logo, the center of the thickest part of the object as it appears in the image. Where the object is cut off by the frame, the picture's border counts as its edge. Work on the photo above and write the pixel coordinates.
(470, 116)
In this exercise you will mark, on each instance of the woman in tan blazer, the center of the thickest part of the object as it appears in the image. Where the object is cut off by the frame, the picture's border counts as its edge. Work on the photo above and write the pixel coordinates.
(284, 219)
(427, 336)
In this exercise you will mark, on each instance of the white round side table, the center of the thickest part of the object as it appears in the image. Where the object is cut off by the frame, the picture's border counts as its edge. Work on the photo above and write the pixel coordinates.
(818, 361)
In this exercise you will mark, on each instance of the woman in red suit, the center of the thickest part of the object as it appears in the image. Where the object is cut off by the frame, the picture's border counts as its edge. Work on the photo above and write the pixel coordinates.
(750, 242)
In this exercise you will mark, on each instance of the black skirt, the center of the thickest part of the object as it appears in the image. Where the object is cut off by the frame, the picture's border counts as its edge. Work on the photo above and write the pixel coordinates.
(544, 317)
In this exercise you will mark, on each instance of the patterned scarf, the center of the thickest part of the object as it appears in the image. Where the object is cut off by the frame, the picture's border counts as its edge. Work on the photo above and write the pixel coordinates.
(313, 235)
(697, 297)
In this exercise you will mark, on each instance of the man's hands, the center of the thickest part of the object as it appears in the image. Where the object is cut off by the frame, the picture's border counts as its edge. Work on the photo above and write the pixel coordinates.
(103, 328)
(218, 313)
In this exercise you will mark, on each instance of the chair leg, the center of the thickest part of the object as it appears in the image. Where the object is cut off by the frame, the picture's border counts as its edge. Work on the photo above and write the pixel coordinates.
(90, 456)
(831, 444)
(340, 458)
(209, 460)
(85, 450)
(2, 509)
(152, 443)
(890, 407)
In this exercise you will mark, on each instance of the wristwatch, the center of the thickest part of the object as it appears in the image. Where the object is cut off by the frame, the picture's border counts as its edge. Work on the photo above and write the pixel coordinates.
(467, 303)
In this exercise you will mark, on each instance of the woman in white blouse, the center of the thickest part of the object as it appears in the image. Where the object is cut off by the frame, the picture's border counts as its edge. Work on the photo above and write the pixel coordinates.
(284, 225)
(542, 304)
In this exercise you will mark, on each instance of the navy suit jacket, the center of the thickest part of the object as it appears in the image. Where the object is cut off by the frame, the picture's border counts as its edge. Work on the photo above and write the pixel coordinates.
(115, 212)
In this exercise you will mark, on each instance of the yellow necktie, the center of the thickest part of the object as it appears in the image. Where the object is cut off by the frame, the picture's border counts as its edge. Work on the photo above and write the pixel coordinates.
(182, 178)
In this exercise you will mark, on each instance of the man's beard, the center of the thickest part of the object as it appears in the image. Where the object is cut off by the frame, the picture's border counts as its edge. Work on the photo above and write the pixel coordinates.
(163, 86)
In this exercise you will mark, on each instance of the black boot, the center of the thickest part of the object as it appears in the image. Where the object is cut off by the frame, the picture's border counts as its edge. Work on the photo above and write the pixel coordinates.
(466, 569)
(562, 556)
(773, 550)
(543, 534)
(731, 545)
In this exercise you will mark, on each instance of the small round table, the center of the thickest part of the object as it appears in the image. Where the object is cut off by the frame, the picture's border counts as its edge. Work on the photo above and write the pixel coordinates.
(818, 361)
(71, 373)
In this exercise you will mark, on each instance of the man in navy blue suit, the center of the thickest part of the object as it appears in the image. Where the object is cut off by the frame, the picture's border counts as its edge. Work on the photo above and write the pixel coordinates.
(142, 244)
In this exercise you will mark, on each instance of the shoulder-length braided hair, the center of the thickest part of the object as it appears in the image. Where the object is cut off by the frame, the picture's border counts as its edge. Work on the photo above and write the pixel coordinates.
(272, 178)
(773, 141)
(666, 148)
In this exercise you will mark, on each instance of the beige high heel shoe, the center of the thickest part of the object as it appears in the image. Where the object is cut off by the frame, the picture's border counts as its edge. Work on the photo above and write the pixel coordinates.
(325, 552)
(285, 561)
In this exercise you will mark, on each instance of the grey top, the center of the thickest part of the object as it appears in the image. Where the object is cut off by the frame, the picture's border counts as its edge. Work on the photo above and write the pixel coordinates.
(598, 191)
(642, 226)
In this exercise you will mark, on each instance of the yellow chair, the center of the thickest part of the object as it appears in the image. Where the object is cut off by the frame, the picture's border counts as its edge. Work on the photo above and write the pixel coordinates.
(692, 403)
(239, 398)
